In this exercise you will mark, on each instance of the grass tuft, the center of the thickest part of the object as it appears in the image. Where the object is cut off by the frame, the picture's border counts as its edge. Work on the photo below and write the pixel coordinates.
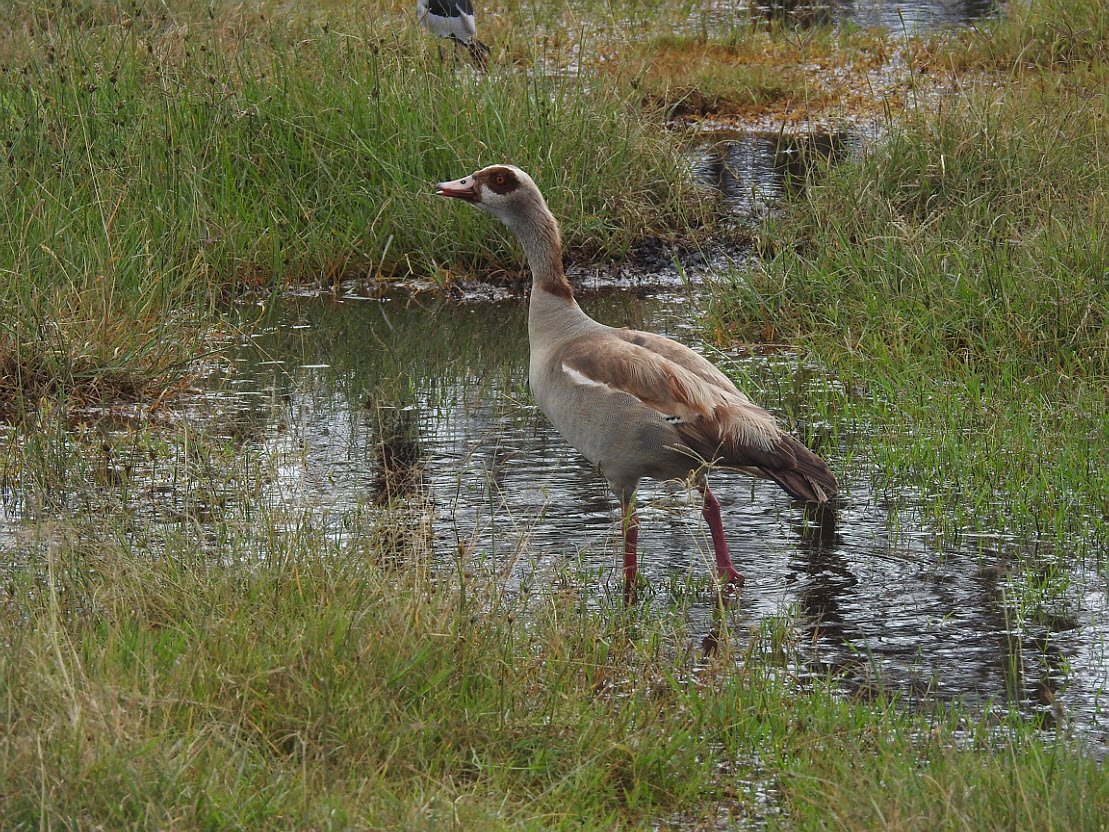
(286, 677)
(160, 160)
(952, 278)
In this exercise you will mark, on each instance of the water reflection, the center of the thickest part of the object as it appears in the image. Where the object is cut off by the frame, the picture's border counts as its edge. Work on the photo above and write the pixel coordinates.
(898, 17)
(398, 455)
(910, 16)
(343, 394)
(894, 15)
(752, 171)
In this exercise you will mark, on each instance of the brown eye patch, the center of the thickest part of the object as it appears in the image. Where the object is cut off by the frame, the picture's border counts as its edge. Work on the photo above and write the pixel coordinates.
(500, 180)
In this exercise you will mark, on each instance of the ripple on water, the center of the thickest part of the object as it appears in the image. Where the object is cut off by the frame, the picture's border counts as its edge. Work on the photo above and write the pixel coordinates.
(873, 599)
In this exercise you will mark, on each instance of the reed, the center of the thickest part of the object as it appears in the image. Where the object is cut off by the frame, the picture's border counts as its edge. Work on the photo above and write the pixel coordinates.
(952, 280)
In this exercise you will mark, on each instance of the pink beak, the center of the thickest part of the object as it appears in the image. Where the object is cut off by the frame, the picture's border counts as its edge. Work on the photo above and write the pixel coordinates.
(463, 188)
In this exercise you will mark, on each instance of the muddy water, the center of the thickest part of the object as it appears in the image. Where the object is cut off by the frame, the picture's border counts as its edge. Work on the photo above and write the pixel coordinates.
(433, 392)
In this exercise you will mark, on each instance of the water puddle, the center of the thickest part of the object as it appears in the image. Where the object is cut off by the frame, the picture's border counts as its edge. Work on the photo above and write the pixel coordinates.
(420, 407)
(413, 409)
(750, 172)
(896, 16)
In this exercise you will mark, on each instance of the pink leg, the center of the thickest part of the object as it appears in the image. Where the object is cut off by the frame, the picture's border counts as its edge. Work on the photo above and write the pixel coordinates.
(630, 522)
(711, 512)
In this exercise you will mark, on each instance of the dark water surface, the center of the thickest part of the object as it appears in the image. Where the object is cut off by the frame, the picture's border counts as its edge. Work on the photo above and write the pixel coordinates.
(895, 15)
(441, 385)
(749, 172)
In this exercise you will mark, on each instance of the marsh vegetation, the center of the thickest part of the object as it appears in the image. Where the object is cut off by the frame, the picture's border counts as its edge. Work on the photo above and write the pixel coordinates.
(207, 623)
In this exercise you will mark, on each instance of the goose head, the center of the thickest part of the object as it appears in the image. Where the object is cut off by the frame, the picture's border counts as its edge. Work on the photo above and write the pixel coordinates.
(504, 191)
(511, 196)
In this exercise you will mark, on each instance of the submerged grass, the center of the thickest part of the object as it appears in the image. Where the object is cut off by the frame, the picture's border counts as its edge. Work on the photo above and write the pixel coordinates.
(752, 76)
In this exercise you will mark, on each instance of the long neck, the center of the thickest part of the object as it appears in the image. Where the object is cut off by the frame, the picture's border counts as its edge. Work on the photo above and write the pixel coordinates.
(553, 314)
(538, 234)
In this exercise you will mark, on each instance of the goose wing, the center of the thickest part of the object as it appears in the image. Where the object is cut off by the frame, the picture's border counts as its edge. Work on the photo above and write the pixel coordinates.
(709, 414)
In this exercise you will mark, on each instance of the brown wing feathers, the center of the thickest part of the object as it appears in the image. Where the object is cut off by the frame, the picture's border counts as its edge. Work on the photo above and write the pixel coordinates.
(808, 478)
(657, 382)
(717, 422)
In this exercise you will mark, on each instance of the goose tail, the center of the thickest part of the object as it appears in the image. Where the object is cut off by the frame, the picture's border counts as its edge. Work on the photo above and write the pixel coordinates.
(810, 479)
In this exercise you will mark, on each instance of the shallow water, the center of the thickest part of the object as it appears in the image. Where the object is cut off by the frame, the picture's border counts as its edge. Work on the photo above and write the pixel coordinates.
(749, 172)
(333, 392)
(897, 16)
(873, 599)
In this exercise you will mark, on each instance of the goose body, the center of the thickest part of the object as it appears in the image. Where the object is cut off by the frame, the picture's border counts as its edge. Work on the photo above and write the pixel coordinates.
(454, 20)
(635, 404)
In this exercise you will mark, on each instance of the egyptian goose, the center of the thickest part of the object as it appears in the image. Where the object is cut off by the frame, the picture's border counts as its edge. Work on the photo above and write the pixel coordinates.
(453, 19)
(633, 403)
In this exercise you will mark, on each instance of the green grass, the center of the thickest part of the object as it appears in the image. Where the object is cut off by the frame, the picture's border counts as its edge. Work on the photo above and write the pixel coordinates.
(1047, 34)
(747, 74)
(283, 149)
(277, 678)
(160, 159)
(953, 281)
(214, 662)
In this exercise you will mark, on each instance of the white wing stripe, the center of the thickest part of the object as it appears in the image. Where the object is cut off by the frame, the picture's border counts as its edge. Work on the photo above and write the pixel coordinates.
(581, 378)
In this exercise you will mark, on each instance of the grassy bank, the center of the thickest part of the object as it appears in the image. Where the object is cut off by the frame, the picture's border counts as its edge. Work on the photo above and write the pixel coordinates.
(178, 655)
(160, 158)
(279, 678)
(952, 279)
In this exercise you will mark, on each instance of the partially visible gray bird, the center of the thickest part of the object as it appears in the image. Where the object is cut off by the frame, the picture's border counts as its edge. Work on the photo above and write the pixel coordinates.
(454, 20)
